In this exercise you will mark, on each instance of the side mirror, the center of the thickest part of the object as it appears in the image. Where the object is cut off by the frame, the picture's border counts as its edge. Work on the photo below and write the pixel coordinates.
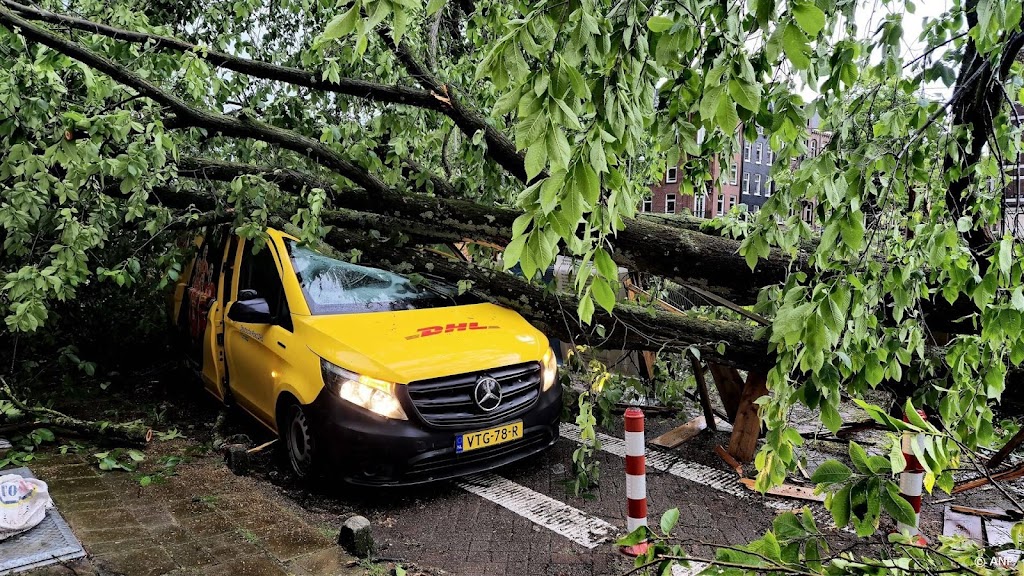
(247, 294)
(254, 311)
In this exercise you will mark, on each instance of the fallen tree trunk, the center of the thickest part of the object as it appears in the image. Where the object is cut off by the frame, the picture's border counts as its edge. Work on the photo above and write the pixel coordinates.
(628, 327)
(688, 256)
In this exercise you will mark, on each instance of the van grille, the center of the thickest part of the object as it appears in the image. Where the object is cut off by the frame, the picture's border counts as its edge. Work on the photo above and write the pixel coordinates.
(448, 401)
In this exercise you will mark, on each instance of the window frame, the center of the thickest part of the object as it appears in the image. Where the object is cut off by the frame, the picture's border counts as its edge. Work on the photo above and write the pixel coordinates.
(759, 153)
(746, 151)
(746, 183)
(672, 175)
(735, 173)
(648, 205)
(757, 184)
(670, 198)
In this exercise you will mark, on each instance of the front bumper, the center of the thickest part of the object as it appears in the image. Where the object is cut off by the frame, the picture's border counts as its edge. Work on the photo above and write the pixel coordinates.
(363, 448)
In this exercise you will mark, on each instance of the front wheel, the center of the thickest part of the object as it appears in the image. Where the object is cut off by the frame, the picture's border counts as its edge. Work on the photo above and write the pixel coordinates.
(297, 435)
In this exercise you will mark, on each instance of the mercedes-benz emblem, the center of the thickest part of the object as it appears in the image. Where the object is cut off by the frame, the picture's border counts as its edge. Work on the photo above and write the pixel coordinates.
(487, 393)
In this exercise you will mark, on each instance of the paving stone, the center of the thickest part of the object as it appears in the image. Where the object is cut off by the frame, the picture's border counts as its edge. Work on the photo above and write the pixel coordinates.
(206, 525)
(328, 562)
(291, 541)
(191, 555)
(252, 565)
(140, 562)
(100, 518)
(234, 545)
(79, 485)
(123, 533)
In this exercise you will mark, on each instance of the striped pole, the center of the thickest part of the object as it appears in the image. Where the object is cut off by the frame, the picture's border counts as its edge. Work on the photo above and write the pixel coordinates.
(912, 480)
(636, 479)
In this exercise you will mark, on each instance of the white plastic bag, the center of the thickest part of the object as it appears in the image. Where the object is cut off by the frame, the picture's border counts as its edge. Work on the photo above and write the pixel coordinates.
(23, 504)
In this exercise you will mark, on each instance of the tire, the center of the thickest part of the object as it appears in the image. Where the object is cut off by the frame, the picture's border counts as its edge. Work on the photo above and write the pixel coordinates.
(299, 444)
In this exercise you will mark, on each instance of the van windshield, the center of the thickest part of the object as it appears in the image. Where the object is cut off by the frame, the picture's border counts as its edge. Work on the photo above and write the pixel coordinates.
(332, 286)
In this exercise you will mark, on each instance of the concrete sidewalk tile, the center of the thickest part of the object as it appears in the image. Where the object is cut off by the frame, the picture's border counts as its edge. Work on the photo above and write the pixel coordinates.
(251, 565)
(149, 561)
(191, 555)
(328, 562)
(111, 533)
(234, 544)
(68, 486)
(205, 525)
(291, 540)
(65, 472)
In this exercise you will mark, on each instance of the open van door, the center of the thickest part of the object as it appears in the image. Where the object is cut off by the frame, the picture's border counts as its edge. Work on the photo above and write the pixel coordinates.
(201, 314)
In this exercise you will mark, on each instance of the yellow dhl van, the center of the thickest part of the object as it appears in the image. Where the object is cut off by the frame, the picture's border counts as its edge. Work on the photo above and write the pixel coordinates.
(362, 374)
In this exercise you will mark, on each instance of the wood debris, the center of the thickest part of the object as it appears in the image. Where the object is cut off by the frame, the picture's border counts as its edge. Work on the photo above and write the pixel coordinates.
(677, 436)
(788, 491)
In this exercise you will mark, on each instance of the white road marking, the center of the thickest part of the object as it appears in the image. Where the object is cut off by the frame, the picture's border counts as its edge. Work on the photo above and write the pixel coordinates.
(540, 509)
(666, 462)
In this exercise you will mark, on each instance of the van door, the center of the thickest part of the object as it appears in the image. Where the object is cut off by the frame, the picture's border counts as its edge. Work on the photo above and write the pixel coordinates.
(255, 349)
(200, 316)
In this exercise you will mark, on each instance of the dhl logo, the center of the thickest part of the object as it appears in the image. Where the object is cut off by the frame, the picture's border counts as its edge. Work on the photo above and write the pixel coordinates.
(449, 328)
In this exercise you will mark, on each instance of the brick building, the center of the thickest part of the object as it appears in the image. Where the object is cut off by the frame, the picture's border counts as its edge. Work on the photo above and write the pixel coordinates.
(747, 180)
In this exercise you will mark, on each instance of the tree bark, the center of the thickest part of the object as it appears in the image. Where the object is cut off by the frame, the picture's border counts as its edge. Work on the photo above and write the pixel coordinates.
(628, 327)
(704, 260)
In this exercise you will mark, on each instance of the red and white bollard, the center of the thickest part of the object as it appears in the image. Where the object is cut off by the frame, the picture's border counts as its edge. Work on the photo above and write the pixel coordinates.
(636, 478)
(912, 481)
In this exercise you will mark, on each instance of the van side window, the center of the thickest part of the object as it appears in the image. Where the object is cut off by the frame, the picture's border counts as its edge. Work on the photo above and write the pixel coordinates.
(259, 272)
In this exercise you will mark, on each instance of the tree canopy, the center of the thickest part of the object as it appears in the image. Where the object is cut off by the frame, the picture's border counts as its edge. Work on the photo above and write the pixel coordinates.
(533, 129)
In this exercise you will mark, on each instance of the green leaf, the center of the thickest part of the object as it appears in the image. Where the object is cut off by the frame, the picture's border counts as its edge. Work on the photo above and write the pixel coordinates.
(787, 527)
(586, 308)
(745, 94)
(536, 159)
(603, 293)
(794, 44)
(342, 24)
(896, 457)
(513, 251)
(709, 103)
(831, 472)
(859, 458)
(669, 520)
(433, 6)
(605, 265)
(809, 17)
(726, 115)
(660, 23)
(895, 505)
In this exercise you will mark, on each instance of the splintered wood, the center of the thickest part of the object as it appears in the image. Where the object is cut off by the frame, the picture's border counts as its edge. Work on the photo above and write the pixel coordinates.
(788, 491)
(677, 436)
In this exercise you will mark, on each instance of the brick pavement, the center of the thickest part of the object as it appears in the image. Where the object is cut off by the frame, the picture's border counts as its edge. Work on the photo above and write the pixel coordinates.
(205, 521)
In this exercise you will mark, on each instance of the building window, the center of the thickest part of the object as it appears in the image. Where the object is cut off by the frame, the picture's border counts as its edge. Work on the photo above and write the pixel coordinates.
(746, 151)
(769, 155)
(758, 153)
(808, 213)
(672, 175)
(735, 173)
(698, 205)
(814, 148)
(757, 184)
(721, 204)
(732, 202)
(746, 183)
(670, 204)
(648, 205)
(767, 187)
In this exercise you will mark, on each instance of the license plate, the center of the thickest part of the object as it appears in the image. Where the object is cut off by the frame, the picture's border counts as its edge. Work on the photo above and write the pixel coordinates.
(490, 437)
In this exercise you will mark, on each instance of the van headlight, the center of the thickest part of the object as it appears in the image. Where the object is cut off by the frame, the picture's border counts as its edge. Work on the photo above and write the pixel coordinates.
(549, 370)
(377, 396)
